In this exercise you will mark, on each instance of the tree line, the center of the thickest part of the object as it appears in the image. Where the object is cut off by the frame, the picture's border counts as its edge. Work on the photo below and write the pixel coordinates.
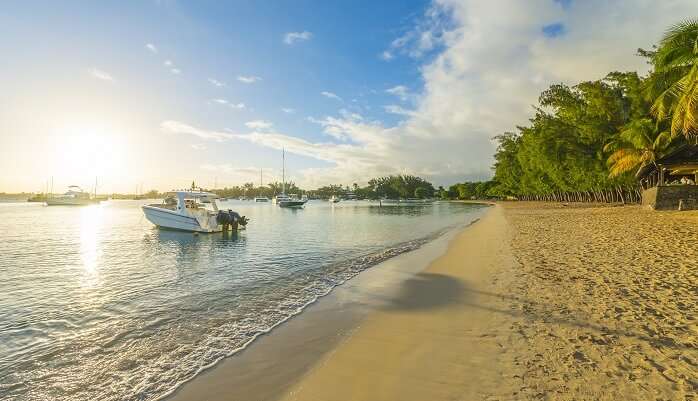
(392, 187)
(585, 142)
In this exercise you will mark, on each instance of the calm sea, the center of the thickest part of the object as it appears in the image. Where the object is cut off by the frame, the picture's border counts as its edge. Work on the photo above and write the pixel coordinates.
(97, 304)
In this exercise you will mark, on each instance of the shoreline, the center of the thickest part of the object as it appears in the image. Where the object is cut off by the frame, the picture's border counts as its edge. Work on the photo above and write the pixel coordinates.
(303, 338)
(534, 301)
(443, 335)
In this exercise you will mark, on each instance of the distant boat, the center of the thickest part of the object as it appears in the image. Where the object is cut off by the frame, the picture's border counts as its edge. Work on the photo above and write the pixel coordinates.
(386, 201)
(417, 201)
(186, 211)
(261, 198)
(334, 199)
(74, 197)
(283, 200)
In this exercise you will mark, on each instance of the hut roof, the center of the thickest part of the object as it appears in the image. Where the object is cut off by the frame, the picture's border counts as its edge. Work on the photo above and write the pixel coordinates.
(684, 155)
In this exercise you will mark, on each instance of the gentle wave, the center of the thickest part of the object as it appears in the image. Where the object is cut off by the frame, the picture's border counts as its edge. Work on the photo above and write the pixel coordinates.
(346, 271)
(124, 314)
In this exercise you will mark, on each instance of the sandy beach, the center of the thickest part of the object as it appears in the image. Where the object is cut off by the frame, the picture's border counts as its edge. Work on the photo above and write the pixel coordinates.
(534, 301)
(608, 297)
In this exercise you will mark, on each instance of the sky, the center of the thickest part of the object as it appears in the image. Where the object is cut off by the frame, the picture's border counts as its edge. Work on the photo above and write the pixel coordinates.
(143, 95)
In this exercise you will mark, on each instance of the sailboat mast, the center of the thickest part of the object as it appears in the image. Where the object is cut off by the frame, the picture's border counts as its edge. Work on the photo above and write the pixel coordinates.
(283, 171)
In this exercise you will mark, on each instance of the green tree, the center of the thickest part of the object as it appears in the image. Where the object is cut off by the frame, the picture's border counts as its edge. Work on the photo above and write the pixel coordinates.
(673, 85)
(641, 142)
(420, 193)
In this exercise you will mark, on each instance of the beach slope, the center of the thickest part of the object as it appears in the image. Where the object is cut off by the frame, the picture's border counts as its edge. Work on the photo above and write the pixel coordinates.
(443, 336)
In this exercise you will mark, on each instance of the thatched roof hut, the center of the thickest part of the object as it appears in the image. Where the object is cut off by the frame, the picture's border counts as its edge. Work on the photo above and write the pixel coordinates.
(670, 183)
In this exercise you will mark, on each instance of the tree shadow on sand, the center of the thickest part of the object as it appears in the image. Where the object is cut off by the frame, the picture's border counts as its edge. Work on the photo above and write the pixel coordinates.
(428, 291)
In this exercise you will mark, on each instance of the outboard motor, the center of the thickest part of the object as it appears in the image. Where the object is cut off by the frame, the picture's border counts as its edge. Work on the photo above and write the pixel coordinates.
(230, 218)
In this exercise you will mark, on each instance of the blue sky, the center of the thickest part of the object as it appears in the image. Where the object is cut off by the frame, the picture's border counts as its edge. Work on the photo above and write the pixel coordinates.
(157, 93)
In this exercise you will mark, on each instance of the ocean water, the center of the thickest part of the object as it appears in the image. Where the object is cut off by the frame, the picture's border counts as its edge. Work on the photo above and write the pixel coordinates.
(97, 304)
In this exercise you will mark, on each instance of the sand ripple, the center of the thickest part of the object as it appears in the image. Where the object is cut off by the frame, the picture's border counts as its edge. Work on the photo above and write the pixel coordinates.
(608, 299)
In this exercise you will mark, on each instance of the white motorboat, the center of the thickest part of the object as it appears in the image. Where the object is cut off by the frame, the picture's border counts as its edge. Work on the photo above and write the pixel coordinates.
(74, 197)
(187, 211)
(334, 199)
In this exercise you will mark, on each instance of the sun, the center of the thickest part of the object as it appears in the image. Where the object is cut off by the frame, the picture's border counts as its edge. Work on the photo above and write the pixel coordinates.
(83, 152)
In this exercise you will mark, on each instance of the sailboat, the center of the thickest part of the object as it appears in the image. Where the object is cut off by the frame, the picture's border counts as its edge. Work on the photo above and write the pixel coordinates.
(261, 198)
(282, 199)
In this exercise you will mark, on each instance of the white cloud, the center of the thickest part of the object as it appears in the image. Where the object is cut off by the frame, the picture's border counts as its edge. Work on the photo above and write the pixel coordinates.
(198, 146)
(151, 47)
(237, 106)
(238, 175)
(176, 127)
(102, 75)
(395, 109)
(259, 125)
(488, 69)
(330, 95)
(167, 63)
(293, 37)
(175, 71)
(216, 82)
(248, 79)
(427, 34)
(400, 91)
(288, 110)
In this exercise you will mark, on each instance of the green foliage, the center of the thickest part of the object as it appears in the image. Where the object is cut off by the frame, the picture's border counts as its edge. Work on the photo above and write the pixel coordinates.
(673, 85)
(586, 138)
(400, 186)
(469, 190)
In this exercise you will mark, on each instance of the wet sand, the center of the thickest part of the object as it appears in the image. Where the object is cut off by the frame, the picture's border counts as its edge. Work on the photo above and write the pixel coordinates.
(534, 301)
(268, 367)
(445, 337)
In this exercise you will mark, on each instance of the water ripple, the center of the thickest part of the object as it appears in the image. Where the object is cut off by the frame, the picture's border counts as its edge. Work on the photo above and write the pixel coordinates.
(97, 304)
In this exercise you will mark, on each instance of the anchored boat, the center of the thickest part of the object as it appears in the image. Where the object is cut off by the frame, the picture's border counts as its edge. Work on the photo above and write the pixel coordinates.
(187, 211)
(74, 197)
(283, 200)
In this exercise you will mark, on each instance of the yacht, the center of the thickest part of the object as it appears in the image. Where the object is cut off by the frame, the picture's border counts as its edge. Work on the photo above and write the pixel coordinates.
(261, 198)
(186, 211)
(74, 197)
(334, 199)
(283, 200)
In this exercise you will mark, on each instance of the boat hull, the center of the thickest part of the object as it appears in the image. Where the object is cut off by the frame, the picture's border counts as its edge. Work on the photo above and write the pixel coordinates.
(291, 203)
(164, 218)
(70, 202)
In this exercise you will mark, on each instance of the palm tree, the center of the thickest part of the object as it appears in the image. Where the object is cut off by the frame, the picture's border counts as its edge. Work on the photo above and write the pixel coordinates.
(639, 143)
(673, 85)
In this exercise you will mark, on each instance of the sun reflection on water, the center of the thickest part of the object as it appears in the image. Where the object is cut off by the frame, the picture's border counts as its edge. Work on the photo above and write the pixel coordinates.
(91, 222)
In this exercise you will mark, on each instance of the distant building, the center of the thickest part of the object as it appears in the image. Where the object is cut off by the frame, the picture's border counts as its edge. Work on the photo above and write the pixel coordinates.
(349, 195)
(670, 182)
